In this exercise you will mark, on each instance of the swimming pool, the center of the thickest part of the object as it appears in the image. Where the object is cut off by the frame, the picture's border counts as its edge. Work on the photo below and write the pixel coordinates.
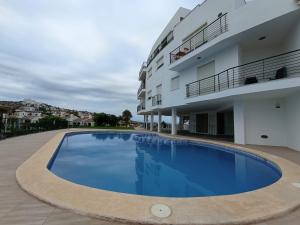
(151, 165)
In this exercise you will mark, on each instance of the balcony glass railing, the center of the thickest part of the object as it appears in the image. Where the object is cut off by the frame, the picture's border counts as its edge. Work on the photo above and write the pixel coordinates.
(141, 107)
(160, 47)
(286, 65)
(142, 86)
(144, 66)
(208, 33)
(156, 100)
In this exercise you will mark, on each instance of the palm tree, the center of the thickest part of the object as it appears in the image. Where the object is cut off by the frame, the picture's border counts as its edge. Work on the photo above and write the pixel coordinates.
(126, 116)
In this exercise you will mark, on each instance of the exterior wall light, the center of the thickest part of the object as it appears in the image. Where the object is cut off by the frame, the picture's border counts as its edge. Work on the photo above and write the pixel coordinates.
(262, 38)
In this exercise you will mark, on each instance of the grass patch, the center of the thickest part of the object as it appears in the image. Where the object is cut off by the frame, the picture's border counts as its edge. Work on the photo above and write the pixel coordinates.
(113, 128)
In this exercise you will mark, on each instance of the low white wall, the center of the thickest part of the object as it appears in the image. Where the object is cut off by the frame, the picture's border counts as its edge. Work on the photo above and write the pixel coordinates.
(263, 118)
(293, 121)
(239, 122)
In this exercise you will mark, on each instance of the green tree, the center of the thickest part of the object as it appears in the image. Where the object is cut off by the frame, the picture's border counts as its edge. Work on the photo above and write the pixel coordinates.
(52, 122)
(126, 116)
(100, 119)
(113, 120)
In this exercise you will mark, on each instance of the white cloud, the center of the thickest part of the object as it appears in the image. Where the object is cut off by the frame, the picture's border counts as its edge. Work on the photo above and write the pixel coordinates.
(82, 54)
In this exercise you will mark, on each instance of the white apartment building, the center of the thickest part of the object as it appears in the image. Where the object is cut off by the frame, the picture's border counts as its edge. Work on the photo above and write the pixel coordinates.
(228, 67)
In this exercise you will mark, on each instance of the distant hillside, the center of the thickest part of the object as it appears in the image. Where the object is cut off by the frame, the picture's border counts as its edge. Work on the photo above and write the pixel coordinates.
(13, 105)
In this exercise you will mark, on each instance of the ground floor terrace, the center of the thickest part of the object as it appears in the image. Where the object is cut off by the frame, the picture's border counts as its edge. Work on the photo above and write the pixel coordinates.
(262, 117)
(18, 207)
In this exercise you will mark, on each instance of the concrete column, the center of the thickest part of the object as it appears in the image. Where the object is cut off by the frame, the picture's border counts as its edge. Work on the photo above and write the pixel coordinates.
(151, 121)
(159, 122)
(181, 122)
(239, 123)
(173, 128)
(146, 122)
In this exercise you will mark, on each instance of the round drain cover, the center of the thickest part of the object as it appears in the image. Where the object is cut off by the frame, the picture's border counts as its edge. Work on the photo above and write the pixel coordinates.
(296, 185)
(161, 211)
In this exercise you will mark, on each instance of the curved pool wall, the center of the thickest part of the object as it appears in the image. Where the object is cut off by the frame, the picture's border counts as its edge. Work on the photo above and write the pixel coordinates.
(151, 165)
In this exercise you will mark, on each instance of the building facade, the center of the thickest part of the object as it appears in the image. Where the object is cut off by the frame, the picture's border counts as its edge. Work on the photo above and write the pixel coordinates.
(228, 68)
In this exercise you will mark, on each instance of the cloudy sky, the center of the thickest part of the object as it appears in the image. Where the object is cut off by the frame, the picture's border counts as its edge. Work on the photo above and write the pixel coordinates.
(79, 54)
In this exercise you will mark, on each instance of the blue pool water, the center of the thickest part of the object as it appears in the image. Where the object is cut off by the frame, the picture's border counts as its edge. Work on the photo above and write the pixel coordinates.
(147, 164)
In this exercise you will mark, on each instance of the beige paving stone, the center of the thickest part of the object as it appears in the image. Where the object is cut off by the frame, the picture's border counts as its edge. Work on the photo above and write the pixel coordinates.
(17, 207)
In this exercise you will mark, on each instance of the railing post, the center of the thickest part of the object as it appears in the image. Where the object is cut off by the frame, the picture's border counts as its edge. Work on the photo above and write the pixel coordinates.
(199, 83)
(227, 79)
(233, 77)
(187, 91)
(221, 25)
(214, 83)
(263, 72)
(219, 81)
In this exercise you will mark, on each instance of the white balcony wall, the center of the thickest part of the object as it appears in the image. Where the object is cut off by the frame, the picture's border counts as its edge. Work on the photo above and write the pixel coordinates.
(205, 13)
(293, 41)
(257, 12)
(241, 18)
(293, 121)
(225, 59)
(253, 53)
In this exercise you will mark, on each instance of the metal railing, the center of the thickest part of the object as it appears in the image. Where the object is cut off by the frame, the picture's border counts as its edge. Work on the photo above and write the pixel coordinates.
(160, 47)
(156, 100)
(141, 107)
(208, 33)
(281, 66)
(142, 86)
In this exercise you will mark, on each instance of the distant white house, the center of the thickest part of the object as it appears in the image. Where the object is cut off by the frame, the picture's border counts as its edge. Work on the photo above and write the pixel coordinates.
(71, 118)
(27, 113)
(85, 122)
(228, 68)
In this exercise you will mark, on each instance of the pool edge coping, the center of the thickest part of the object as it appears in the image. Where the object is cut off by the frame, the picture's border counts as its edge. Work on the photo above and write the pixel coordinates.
(34, 177)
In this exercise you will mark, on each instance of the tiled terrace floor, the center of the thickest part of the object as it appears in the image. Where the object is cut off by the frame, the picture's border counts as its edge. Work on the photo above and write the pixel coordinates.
(19, 208)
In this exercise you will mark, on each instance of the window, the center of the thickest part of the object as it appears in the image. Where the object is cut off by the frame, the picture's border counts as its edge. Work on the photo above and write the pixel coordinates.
(158, 89)
(206, 70)
(149, 73)
(149, 95)
(170, 37)
(159, 63)
(175, 83)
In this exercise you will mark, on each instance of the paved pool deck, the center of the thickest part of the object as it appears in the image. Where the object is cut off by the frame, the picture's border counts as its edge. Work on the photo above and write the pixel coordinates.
(18, 207)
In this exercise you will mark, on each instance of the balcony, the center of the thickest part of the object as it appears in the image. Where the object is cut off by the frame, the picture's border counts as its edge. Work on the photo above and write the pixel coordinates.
(208, 33)
(142, 90)
(283, 66)
(142, 73)
(156, 100)
(141, 107)
(160, 47)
